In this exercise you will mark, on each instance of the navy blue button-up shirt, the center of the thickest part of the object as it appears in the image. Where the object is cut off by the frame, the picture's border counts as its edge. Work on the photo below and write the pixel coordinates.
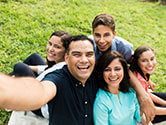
(73, 103)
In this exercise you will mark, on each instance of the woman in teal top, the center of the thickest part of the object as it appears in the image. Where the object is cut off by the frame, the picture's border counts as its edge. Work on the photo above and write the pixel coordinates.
(116, 102)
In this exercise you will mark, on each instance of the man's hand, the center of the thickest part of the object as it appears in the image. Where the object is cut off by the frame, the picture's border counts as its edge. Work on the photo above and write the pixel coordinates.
(147, 107)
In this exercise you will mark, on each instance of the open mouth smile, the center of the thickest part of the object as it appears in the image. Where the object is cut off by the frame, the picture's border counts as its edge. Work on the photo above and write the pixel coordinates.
(83, 68)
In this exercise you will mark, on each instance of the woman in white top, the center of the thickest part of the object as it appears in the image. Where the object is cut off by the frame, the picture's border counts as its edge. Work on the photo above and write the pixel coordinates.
(34, 65)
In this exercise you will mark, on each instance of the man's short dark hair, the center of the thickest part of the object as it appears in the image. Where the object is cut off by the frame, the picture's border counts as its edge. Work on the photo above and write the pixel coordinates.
(104, 19)
(77, 38)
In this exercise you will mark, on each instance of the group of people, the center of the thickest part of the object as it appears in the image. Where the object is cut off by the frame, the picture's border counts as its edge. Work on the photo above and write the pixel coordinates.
(85, 81)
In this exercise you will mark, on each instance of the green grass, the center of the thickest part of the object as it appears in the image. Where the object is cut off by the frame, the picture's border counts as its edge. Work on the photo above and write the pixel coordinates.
(25, 27)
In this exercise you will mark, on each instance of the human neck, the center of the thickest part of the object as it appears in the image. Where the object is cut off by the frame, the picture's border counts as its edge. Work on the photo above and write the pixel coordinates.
(113, 90)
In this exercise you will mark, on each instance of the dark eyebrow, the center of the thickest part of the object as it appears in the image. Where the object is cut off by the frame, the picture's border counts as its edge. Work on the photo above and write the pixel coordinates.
(106, 33)
(73, 52)
(90, 52)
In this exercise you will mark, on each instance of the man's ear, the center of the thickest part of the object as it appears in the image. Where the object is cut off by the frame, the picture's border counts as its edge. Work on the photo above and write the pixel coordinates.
(66, 58)
(114, 33)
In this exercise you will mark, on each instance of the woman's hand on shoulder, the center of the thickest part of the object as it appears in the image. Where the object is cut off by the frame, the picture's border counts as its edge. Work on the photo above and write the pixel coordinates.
(151, 85)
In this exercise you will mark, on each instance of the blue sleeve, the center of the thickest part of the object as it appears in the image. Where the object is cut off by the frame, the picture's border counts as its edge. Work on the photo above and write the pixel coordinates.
(100, 112)
(127, 52)
(124, 47)
(128, 55)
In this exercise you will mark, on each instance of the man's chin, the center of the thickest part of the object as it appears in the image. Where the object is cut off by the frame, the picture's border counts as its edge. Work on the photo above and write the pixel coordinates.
(85, 76)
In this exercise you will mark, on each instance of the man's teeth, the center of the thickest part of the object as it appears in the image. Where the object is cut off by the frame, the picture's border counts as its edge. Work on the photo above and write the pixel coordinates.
(83, 67)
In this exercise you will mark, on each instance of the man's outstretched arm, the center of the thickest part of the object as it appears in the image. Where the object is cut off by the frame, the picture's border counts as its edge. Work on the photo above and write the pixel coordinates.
(146, 104)
(24, 93)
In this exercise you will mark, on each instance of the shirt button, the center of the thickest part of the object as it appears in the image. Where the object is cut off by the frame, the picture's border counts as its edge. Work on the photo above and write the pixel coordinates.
(76, 85)
(86, 116)
(86, 102)
(80, 83)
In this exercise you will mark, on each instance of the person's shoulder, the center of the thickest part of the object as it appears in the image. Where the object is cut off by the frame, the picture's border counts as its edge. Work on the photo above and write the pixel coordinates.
(57, 66)
(103, 100)
(139, 77)
(56, 74)
(121, 41)
(92, 38)
(101, 95)
(60, 65)
(131, 90)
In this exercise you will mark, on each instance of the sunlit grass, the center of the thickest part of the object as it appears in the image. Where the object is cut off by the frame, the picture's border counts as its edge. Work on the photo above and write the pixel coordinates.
(25, 27)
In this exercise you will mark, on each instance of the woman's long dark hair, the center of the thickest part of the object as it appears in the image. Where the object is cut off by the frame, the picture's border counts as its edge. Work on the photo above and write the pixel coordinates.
(65, 38)
(134, 64)
(102, 64)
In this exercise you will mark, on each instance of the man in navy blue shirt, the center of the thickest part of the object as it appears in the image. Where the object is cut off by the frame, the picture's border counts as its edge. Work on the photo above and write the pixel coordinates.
(76, 89)
(69, 92)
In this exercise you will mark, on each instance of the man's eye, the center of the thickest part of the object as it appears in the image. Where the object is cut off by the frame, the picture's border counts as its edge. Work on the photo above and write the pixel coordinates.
(107, 34)
(97, 35)
(90, 54)
(76, 55)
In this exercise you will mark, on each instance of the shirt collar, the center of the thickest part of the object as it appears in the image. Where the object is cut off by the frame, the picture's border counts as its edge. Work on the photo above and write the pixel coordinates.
(73, 80)
(113, 46)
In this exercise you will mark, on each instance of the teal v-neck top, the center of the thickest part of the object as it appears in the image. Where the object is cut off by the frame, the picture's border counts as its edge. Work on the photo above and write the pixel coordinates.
(108, 109)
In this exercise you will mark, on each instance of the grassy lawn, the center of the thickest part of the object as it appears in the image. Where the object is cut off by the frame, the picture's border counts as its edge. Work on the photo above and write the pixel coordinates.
(25, 27)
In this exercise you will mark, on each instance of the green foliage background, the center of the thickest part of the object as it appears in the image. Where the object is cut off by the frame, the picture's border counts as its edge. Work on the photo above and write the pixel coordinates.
(25, 27)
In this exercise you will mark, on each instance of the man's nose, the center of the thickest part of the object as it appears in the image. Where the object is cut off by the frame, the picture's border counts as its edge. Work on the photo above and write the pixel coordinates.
(84, 58)
(101, 40)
